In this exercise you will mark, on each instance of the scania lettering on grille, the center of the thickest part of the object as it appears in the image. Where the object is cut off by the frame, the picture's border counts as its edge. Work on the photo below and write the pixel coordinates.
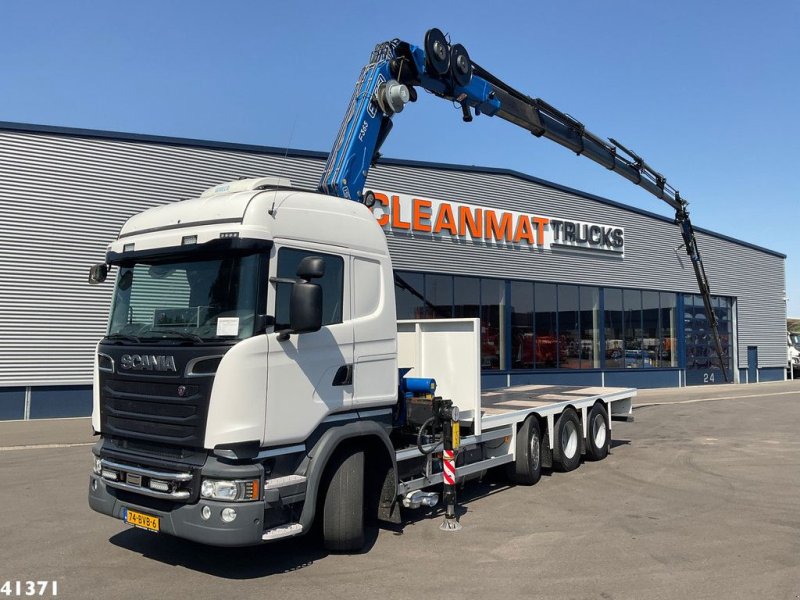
(148, 362)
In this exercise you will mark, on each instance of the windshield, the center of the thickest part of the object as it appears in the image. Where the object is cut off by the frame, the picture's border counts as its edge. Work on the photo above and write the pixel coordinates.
(197, 300)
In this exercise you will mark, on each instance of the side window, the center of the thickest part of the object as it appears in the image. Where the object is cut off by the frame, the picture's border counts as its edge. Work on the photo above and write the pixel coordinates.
(332, 284)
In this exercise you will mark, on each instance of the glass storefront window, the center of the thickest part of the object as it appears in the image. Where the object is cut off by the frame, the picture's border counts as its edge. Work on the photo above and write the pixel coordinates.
(615, 345)
(409, 291)
(698, 336)
(559, 326)
(590, 328)
(702, 362)
(723, 308)
(521, 305)
(635, 357)
(668, 345)
(651, 328)
(493, 324)
(438, 296)
(467, 297)
(569, 327)
(546, 351)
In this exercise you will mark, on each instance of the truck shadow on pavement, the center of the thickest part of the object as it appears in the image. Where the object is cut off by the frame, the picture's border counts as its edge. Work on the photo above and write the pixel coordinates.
(229, 563)
(293, 554)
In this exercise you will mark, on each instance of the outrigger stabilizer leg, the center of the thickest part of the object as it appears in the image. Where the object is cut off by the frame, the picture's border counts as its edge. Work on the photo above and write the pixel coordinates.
(451, 433)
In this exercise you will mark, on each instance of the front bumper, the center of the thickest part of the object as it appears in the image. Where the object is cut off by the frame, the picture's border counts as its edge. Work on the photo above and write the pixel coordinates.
(185, 520)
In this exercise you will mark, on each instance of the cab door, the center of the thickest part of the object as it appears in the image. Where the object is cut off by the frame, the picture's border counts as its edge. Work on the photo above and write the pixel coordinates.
(309, 375)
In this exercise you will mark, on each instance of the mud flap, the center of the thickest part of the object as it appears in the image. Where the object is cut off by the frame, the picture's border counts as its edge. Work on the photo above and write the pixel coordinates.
(389, 507)
(547, 452)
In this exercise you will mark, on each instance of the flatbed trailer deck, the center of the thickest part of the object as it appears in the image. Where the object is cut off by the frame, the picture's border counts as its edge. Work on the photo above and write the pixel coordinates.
(492, 420)
(505, 409)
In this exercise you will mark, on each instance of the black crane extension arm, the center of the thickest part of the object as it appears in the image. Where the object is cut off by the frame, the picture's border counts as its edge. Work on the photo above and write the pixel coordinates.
(544, 120)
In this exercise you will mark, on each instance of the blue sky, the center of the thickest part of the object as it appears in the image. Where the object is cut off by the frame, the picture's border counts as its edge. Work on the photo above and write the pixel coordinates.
(706, 92)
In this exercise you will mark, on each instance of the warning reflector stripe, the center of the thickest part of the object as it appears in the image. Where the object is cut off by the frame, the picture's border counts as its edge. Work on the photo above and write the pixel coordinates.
(449, 467)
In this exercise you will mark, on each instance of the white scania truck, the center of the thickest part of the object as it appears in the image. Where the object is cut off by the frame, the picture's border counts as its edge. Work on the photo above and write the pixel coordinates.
(254, 379)
(249, 382)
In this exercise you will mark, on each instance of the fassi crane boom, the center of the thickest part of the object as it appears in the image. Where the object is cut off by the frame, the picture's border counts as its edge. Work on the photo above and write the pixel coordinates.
(389, 81)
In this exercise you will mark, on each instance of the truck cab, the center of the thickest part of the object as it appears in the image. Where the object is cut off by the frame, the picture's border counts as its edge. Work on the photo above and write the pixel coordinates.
(201, 370)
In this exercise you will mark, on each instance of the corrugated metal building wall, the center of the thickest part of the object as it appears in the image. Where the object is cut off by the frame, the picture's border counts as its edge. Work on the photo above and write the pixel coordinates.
(64, 194)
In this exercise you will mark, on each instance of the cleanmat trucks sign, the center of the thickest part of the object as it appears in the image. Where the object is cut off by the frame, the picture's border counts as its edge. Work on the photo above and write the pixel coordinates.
(402, 213)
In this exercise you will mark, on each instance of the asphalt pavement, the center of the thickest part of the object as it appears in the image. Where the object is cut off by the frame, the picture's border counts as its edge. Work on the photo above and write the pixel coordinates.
(699, 498)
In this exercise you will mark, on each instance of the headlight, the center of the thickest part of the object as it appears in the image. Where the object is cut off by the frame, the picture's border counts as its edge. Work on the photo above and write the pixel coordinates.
(96, 466)
(240, 490)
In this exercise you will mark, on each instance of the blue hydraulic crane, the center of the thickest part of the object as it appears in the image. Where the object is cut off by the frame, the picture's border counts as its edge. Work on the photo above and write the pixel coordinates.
(389, 81)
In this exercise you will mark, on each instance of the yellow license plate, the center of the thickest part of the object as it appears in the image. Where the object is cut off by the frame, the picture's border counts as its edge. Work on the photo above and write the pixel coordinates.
(138, 519)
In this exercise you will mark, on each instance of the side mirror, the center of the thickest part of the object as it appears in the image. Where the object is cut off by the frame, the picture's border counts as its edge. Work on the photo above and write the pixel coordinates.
(305, 308)
(311, 267)
(98, 273)
(305, 301)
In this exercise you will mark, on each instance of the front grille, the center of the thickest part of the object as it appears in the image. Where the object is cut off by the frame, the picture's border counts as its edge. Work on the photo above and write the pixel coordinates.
(162, 408)
(155, 411)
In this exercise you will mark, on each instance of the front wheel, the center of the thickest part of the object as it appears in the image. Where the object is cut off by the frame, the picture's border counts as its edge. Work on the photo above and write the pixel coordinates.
(343, 508)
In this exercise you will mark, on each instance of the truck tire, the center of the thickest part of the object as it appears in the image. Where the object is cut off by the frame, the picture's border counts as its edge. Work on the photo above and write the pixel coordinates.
(567, 441)
(598, 436)
(527, 469)
(343, 507)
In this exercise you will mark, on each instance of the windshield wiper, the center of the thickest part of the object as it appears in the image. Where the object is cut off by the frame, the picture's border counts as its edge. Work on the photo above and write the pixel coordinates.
(123, 336)
(184, 334)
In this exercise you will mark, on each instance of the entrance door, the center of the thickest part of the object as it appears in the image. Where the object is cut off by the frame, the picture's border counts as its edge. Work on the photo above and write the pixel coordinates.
(752, 364)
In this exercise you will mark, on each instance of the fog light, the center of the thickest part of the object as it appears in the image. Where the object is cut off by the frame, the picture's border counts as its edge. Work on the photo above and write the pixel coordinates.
(94, 485)
(228, 515)
(205, 513)
(112, 475)
(159, 485)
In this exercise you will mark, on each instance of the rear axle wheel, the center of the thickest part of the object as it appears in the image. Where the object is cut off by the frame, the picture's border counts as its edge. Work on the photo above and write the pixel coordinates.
(598, 435)
(567, 442)
(527, 469)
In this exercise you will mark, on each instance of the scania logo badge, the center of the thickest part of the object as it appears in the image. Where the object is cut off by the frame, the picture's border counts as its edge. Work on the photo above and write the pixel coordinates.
(148, 362)
(181, 391)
